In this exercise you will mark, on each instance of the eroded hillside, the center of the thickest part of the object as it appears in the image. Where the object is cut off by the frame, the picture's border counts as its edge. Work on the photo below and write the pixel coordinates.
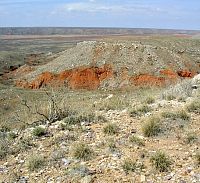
(99, 64)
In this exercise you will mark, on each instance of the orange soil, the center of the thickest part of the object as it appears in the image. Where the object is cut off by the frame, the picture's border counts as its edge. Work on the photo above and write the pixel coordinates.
(169, 73)
(185, 74)
(90, 78)
(79, 78)
(147, 80)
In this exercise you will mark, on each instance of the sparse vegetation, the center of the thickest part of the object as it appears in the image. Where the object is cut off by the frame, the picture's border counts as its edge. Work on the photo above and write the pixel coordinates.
(82, 151)
(39, 131)
(57, 155)
(112, 145)
(88, 133)
(132, 166)
(4, 128)
(35, 162)
(138, 111)
(168, 114)
(5, 148)
(161, 161)
(170, 97)
(101, 119)
(182, 114)
(12, 135)
(152, 127)
(113, 103)
(191, 138)
(150, 100)
(25, 144)
(194, 107)
(197, 158)
(136, 140)
(77, 119)
(110, 129)
(129, 166)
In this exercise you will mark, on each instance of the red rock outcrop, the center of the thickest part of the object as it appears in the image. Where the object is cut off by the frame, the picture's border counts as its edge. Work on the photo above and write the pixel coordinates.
(169, 74)
(84, 79)
(147, 80)
(44, 79)
(79, 78)
(185, 74)
(90, 78)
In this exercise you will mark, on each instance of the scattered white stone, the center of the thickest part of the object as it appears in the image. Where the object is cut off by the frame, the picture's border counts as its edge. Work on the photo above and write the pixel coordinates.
(142, 178)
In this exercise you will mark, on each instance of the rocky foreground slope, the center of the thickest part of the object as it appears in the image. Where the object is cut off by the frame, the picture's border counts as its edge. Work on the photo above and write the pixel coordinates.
(126, 138)
(93, 64)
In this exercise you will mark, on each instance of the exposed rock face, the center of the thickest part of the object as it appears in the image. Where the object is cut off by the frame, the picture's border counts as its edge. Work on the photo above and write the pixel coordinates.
(93, 64)
(91, 78)
(185, 74)
(44, 79)
(169, 73)
(79, 78)
(147, 80)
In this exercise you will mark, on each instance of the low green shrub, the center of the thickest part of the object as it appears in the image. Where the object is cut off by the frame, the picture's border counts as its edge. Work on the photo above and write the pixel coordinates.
(110, 129)
(150, 100)
(139, 111)
(194, 107)
(129, 166)
(82, 151)
(151, 127)
(191, 138)
(176, 115)
(35, 162)
(161, 161)
(136, 140)
(39, 131)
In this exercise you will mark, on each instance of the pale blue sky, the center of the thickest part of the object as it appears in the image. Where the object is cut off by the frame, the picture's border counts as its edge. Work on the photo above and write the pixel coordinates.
(171, 14)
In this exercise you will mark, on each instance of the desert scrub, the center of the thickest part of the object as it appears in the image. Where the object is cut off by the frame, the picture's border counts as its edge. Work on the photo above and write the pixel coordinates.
(111, 145)
(64, 126)
(114, 103)
(56, 155)
(110, 129)
(35, 162)
(39, 131)
(12, 135)
(151, 127)
(149, 100)
(136, 140)
(197, 158)
(5, 148)
(132, 166)
(161, 161)
(82, 151)
(170, 97)
(140, 111)
(4, 128)
(74, 120)
(24, 144)
(129, 166)
(101, 119)
(194, 107)
(176, 115)
(168, 114)
(191, 138)
(182, 114)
